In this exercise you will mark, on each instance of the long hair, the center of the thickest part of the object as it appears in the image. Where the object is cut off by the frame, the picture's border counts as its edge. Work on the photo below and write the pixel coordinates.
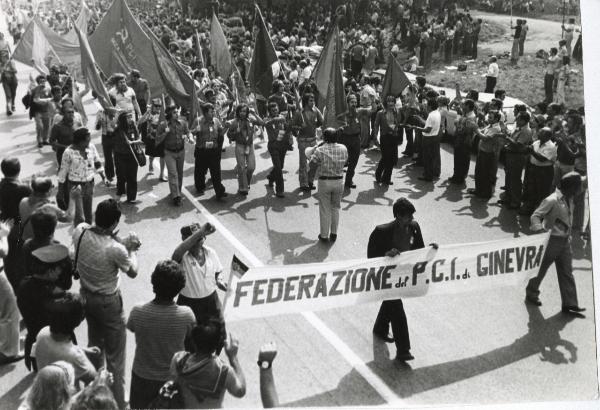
(52, 387)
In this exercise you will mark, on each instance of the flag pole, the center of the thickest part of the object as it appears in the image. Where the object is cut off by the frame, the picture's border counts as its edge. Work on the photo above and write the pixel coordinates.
(562, 34)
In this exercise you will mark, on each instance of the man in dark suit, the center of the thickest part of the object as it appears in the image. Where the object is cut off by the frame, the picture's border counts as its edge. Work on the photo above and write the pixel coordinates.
(391, 239)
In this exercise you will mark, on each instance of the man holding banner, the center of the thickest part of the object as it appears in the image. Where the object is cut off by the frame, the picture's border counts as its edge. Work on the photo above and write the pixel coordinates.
(402, 234)
(556, 214)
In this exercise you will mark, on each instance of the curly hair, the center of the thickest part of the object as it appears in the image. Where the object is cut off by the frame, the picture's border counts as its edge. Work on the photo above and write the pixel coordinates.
(167, 279)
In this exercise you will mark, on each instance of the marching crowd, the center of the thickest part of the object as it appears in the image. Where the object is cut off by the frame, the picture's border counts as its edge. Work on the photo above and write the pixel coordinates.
(180, 333)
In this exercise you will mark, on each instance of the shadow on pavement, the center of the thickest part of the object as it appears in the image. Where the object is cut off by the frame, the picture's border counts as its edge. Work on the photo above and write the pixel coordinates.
(543, 339)
(13, 395)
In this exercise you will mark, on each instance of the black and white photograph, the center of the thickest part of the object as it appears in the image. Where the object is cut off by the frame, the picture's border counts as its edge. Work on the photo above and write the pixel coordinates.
(298, 203)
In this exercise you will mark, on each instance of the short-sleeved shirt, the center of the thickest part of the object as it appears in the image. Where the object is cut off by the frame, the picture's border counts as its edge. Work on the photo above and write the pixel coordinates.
(548, 150)
(99, 261)
(434, 120)
(160, 331)
(48, 349)
(123, 100)
(174, 141)
(200, 281)
(331, 158)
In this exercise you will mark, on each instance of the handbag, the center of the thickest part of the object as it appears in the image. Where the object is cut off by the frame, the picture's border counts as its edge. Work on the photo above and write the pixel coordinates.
(75, 271)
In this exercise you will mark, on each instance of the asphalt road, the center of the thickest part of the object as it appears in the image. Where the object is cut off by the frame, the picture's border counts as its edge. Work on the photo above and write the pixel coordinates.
(476, 348)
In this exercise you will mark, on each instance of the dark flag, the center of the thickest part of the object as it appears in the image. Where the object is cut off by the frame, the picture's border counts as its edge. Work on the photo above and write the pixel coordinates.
(260, 74)
(395, 81)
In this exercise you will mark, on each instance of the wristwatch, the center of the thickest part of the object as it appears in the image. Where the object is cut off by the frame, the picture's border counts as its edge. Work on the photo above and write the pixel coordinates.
(264, 364)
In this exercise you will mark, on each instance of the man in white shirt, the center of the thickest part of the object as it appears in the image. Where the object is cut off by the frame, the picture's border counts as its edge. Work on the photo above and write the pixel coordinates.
(552, 65)
(430, 134)
(123, 97)
(492, 75)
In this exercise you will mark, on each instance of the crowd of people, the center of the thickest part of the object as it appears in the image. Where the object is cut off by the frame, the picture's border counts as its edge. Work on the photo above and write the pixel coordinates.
(181, 332)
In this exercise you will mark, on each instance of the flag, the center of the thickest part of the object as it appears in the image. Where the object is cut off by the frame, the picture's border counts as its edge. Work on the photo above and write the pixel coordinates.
(238, 268)
(260, 74)
(395, 81)
(81, 23)
(195, 106)
(219, 50)
(78, 104)
(120, 43)
(40, 50)
(200, 56)
(327, 76)
(90, 71)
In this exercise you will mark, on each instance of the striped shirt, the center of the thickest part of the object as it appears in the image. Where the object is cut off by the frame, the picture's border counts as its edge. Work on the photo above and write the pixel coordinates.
(100, 259)
(331, 158)
(159, 333)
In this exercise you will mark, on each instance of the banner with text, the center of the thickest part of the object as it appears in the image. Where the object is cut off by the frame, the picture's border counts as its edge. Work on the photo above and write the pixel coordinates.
(275, 290)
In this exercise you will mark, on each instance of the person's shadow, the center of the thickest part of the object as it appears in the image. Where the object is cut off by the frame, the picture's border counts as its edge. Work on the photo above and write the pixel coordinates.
(543, 339)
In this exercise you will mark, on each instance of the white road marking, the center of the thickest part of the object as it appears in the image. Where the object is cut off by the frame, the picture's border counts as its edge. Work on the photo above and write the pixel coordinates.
(338, 344)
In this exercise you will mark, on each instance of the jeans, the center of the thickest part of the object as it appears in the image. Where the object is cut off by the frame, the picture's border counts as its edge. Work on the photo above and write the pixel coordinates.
(127, 169)
(559, 253)
(143, 391)
(174, 162)
(106, 329)
(42, 127)
(246, 163)
(277, 151)
(107, 150)
(330, 199)
(83, 203)
(205, 160)
(389, 156)
(352, 143)
(304, 143)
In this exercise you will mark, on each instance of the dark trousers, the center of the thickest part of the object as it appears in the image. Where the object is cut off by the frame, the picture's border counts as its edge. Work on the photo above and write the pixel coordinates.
(515, 163)
(448, 51)
(277, 151)
(356, 67)
(143, 391)
(389, 156)
(431, 157)
(521, 45)
(475, 41)
(409, 142)
(462, 161)
(490, 84)
(208, 160)
(485, 174)
(549, 87)
(127, 169)
(537, 186)
(109, 160)
(418, 147)
(392, 311)
(352, 143)
(204, 309)
(10, 90)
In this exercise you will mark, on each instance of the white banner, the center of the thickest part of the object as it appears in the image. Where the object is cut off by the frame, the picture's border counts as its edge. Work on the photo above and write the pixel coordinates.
(275, 290)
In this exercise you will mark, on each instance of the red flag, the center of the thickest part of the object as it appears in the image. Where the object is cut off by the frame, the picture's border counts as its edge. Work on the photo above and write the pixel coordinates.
(395, 81)
(260, 74)
(219, 50)
(90, 72)
(327, 76)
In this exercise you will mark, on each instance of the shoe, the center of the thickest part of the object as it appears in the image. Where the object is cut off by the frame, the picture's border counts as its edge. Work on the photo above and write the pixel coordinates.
(163, 178)
(532, 300)
(40, 145)
(222, 195)
(503, 202)
(13, 108)
(177, 201)
(305, 188)
(150, 172)
(270, 183)
(472, 191)
(388, 183)
(46, 142)
(404, 357)
(425, 179)
(323, 239)
(8, 112)
(351, 185)
(243, 193)
(386, 338)
(503, 188)
(312, 186)
(280, 195)
(200, 192)
(333, 237)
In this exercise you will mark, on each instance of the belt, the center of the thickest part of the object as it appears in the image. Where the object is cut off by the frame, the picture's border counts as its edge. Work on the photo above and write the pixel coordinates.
(81, 182)
(175, 150)
(329, 178)
(98, 294)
